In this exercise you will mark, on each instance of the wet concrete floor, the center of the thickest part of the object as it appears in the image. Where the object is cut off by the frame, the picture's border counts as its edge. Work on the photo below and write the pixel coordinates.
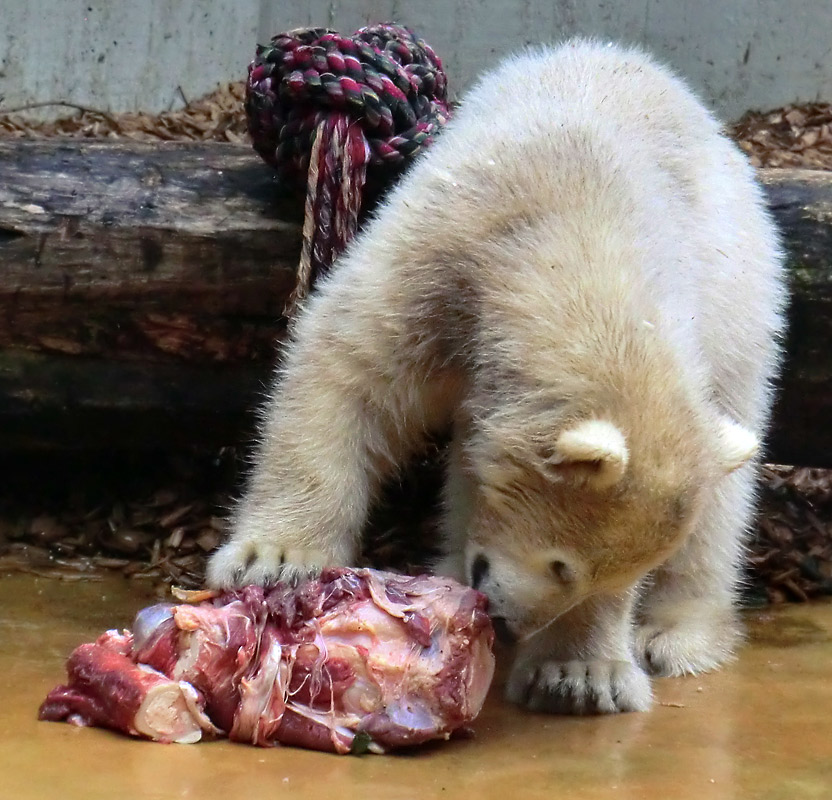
(759, 729)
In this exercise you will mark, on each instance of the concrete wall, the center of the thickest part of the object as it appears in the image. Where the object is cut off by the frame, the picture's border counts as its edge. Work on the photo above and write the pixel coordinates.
(124, 55)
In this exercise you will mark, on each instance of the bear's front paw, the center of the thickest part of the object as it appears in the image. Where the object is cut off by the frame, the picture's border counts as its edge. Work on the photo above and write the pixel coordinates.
(246, 560)
(580, 687)
(687, 645)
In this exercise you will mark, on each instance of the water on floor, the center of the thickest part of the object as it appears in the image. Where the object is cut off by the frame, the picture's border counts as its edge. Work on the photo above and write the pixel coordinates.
(761, 728)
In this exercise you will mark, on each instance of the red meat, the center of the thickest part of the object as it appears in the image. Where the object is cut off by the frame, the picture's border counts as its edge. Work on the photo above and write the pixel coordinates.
(109, 689)
(355, 660)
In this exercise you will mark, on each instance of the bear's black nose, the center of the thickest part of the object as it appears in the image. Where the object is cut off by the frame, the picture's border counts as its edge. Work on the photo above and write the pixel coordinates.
(479, 569)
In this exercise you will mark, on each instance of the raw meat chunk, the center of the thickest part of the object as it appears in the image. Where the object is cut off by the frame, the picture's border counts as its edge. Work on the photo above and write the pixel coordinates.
(109, 689)
(354, 660)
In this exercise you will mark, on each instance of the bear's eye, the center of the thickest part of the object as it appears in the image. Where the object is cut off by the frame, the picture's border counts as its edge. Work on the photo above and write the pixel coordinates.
(561, 571)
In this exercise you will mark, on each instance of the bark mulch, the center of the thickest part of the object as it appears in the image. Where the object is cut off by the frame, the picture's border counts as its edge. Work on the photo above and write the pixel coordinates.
(795, 136)
(218, 117)
(155, 517)
(790, 553)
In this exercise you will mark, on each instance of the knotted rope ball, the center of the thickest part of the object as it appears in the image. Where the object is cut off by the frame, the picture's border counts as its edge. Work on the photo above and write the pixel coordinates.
(322, 108)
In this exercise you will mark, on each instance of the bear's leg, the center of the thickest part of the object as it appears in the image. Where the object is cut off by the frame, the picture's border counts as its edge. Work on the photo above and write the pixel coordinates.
(457, 507)
(344, 415)
(583, 662)
(688, 622)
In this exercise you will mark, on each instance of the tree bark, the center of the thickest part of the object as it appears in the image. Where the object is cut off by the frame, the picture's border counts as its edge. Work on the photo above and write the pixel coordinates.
(142, 289)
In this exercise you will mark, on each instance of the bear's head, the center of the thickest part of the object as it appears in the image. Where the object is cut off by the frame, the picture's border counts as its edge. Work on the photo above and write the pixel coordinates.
(589, 508)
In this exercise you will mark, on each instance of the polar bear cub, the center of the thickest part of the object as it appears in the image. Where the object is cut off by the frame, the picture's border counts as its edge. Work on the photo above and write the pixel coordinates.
(581, 281)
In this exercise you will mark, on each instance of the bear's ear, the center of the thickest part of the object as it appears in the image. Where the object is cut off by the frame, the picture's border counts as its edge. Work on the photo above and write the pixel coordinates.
(736, 445)
(592, 453)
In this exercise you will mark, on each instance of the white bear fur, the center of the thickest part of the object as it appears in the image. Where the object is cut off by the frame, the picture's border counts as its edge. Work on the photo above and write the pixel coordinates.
(581, 279)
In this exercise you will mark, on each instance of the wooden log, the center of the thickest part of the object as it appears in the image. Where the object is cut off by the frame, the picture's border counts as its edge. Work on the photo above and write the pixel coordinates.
(141, 291)
(142, 287)
(801, 201)
(143, 252)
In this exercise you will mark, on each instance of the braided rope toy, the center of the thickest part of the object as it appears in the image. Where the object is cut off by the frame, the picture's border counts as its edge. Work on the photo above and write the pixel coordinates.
(322, 108)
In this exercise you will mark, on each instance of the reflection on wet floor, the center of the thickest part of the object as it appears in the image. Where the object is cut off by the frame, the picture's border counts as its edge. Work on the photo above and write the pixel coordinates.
(761, 728)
